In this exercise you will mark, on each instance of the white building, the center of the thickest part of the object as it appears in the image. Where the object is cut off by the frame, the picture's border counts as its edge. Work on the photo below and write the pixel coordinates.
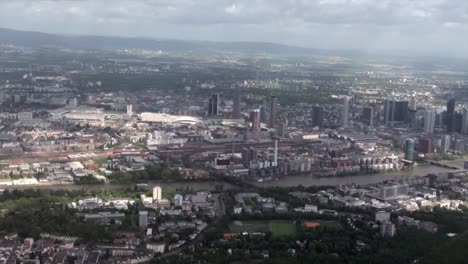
(25, 116)
(446, 143)
(163, 138)
(157, 193)
(86, 117)
(156, 248)
(382, 216)
(129, 110)
(166, 118)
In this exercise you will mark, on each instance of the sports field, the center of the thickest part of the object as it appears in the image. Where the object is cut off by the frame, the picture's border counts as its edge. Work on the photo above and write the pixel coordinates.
(276, 227)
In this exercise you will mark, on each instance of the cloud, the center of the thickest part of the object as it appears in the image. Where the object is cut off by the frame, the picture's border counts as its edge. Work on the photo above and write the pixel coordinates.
(384, 24)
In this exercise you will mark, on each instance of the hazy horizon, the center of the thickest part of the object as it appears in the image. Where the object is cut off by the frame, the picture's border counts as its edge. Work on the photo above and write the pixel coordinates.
(436, 26)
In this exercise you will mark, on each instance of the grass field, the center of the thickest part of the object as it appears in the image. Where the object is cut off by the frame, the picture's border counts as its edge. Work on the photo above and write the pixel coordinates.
(331, 224)
(277, 228)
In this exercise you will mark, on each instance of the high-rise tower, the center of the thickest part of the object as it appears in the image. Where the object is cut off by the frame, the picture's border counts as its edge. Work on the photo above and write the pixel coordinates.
(345, 112)
(273, 112)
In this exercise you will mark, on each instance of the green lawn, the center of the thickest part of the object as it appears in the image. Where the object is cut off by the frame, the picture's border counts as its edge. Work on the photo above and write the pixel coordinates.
(282, 228)
(101, 161)
(331, 224)
(277, 228)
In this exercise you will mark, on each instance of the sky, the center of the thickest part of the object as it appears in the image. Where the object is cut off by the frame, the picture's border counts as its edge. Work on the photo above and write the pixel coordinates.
(433, 26)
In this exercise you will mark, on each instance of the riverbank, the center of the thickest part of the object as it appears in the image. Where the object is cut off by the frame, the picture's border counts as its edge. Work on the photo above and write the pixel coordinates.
(286, 181)
(192, 185)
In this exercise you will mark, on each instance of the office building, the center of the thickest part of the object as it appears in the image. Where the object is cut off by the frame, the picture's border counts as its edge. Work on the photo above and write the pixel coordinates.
(368, 116)
(317, 116)
(393, 190)
(263, 114)
(446, 140)
(130, 110)
(157, 193)
(464, 124)
(439, 122)
(345, 112)
(236, 108)
(281, 129)
(273, 112)
(249, 156)
(74, 103)
(401, 111)
(459, 145)
(450, 117)
(389, 105)
(409, 149)
(213, 105)
(143, 219)
(382, 216)
(429, 121)
(255, 120)
(395, 111)
(25, 116)
(425, 145)
(387, 229)
(451, 106)
(412, 119)
(457, 123)
(412, 104)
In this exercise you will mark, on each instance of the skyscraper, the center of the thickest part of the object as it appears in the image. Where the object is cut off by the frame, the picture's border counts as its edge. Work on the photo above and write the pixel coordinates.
(157, 193)
(446, 140)
(249, 156)
(409, 149)
(236, 109)
(412, 104)
(129, 110)
(263, 114)
(429, 121)
(345, 112)
(74, 102)
(280, 129)
(368, 115)
(317, 116)
(143, 219)
(451, 121)
(255, 120)
(451, 106)
(273, 112)
(457, 123)
(213, 105)
(401, 111)
(395, 111)
(464, 125)
(389, 106)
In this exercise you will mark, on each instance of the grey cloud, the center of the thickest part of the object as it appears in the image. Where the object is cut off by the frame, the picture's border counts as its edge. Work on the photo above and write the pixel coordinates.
(387, 24)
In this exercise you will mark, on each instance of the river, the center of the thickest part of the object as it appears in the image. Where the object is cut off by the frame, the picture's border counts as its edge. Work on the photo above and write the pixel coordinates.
(286, 181)
(311, 180)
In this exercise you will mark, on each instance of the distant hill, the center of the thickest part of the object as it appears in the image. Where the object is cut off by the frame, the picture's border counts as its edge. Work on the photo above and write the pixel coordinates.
(38, 39)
